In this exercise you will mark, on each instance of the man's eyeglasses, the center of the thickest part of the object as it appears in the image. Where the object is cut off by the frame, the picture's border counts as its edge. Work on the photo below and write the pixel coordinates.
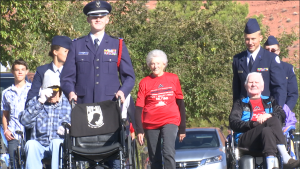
(272, 50)
(55, 89)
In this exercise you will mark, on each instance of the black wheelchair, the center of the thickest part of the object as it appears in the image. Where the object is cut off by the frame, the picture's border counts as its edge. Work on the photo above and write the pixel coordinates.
(242, 158)
(20, 157)
(97, 135)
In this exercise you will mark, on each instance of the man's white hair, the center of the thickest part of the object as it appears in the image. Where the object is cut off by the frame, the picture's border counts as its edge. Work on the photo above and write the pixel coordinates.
(255, 73)
(156, 53)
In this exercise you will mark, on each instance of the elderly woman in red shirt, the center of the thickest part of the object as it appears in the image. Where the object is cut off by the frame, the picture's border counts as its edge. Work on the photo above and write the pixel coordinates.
(160, 100)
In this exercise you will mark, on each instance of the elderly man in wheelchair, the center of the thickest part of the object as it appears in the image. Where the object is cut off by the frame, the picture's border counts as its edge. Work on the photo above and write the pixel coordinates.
(44, 115)
(257, 124)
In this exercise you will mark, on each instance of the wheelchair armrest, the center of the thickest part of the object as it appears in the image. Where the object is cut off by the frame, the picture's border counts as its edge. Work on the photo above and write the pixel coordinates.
(66, 125)
(292, 131)
(288, 129)
(19, 132)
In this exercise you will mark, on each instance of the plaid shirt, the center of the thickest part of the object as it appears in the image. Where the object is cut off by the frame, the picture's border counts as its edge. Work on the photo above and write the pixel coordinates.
(44, 119)
(14, 103)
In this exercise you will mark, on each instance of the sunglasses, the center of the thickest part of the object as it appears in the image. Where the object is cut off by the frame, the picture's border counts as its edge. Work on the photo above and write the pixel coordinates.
(272, 50)
(55, 89)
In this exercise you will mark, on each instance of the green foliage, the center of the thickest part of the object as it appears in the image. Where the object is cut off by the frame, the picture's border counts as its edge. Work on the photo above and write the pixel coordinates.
(27, 28)
(200, 40)
(286, 40)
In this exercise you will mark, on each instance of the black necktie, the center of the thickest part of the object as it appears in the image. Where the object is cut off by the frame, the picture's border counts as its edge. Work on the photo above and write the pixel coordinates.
(58, 72)
(96, 43)
(250, 63)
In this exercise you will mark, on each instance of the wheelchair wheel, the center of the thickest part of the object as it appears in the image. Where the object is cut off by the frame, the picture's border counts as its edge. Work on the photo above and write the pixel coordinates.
(19, 156)
(135, 155)
(132, 154)
(19, 161)
(3, 164)
(63, 157)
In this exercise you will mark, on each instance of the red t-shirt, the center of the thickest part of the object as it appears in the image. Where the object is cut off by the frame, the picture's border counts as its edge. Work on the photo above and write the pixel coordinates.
(258, 109)
(157, 95)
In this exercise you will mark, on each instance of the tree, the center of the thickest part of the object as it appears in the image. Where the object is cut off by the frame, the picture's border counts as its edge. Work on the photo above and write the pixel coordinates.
(27, 28)
(200, 44)
(200, 40)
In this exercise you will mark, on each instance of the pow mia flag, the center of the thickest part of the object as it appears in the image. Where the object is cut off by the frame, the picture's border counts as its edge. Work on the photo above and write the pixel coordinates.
(95, 116)
(92, 119)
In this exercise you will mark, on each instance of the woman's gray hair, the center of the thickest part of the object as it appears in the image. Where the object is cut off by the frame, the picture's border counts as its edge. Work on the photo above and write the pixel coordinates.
(254, 73)
(157, 53)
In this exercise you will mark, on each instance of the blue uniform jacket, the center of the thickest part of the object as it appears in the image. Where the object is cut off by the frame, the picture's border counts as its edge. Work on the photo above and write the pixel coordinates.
(272, 72)
(242, 112)
(292, 86)
(93, 75)
(38, 80)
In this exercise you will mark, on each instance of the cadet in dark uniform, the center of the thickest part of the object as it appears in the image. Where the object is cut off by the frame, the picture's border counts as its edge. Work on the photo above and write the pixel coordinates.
(257, 59)
(90, 73)
(60, 46)
(272, 45)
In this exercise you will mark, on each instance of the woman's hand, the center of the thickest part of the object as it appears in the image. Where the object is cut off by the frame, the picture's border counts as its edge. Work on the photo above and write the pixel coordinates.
(141, 138)
(181, 137)
(132, 135)
(263, 118)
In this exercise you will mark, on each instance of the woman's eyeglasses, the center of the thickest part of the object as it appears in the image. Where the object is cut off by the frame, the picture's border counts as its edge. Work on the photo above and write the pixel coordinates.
(272, 50)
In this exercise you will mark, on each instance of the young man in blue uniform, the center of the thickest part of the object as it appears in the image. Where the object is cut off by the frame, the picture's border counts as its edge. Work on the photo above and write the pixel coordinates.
(60, 46)
(272, 45)
(257, 59)
(91, 73)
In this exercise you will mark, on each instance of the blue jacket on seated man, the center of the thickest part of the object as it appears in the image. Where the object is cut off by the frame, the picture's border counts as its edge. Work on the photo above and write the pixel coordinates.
(43, 116)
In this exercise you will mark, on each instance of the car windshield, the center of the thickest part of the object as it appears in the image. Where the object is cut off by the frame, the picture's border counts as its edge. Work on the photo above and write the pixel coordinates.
(198, 139)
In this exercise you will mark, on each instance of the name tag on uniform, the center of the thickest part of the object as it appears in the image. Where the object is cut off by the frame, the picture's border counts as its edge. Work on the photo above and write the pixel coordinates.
(110, 51)
(240, 71)
(262, 69)
(83, 53)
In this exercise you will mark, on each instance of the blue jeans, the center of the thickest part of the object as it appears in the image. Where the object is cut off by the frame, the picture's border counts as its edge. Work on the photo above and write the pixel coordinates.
(35, 152)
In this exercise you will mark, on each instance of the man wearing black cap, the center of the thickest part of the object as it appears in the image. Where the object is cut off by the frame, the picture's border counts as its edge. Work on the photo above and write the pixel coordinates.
(60, 46)
(272, 45)
(91, 73)
(257, 59)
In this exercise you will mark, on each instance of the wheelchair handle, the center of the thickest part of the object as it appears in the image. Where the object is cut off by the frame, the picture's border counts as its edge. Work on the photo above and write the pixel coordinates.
(73, 103)
(119, 101)
(66, 125)
(19, 132)
(292, 131)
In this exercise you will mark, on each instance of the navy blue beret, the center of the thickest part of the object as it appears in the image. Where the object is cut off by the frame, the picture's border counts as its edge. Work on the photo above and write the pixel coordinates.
(62, 41)
(271, 41)
(97, 8)
(251, 26)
